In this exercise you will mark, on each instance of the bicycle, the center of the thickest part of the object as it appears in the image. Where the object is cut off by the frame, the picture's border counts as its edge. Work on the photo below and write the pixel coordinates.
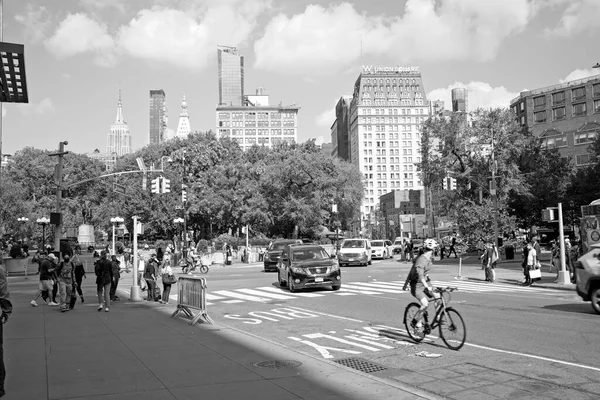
(187, 267)
(446, 318)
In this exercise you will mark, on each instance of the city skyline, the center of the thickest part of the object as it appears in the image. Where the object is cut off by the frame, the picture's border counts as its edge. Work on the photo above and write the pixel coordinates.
(303, 52)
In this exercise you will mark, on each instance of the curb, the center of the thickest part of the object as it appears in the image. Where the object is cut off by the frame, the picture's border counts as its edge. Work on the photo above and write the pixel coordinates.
(554, 286)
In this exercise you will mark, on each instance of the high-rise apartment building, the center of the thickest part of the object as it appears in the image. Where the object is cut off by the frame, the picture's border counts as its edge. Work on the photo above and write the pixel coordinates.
(386, 112)
(158, 116)
(231, 76)
(340, 130)
(460, 100)
(119, 138)
(564, 116)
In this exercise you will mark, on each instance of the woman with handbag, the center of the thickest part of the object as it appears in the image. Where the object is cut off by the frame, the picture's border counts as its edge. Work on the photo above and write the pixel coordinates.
(168, 278)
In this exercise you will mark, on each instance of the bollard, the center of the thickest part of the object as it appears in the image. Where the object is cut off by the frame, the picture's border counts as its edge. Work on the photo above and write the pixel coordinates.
(26, 268)
(459, 269)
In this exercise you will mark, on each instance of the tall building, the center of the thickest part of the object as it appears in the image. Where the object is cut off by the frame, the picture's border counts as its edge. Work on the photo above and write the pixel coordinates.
(158, 116)
(231, 76)
(119, 138)
(183, 128)
(565, 116)
(340, 130)
(460, 100)
(386, 112)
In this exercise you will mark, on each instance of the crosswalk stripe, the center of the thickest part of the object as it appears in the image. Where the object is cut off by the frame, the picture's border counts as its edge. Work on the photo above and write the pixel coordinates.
(241, 296)
(490, 287)
(367, 286)
(389, 284)
(357, 289)
(213, 297)
(231, 301)
(275, 290)
(262, 293)
(345, 294)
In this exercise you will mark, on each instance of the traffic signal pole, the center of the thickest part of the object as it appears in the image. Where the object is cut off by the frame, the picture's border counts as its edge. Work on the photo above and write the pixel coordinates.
(58, 177)
(135, 294)
(563, 275)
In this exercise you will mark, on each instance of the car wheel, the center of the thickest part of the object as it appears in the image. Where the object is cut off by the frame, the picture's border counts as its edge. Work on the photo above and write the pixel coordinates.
(336, 287)
(595, 297)
(282, 283)
(370, 262)
(290, 283)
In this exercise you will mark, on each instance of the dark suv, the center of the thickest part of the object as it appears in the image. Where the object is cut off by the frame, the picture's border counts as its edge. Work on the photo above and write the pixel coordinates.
(308, 265)
(273, 254)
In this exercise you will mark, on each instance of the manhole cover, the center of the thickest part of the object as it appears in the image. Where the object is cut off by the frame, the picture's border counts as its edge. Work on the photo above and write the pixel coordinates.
(361, 365)
(278, 364)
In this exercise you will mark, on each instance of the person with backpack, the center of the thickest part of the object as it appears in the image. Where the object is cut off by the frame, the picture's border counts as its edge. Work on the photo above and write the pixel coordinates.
(66, 279)
(116, 275)
(103, 270)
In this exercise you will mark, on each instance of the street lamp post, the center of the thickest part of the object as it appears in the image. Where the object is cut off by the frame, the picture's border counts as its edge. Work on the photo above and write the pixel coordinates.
(23, 221)
(115, 221)
(334, 211)
(43, 222)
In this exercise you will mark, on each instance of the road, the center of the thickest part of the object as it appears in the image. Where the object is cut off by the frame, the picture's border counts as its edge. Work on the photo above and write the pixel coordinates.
(523, 342)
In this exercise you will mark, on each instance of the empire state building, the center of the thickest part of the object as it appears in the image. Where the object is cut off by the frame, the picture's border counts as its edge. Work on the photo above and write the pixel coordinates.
(119, 138)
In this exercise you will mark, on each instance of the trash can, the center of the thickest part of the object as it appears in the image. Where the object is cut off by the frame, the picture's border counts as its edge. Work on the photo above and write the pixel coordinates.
(510, 252)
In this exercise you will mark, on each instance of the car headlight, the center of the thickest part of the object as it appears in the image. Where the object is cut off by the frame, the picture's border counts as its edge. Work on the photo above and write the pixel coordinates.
(334, 267)
(297, 270)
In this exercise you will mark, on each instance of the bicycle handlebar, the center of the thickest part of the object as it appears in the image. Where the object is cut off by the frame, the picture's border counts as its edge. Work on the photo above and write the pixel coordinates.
(440, 289)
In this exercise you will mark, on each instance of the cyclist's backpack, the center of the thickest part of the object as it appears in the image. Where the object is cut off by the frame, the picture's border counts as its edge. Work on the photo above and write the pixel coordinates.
(66, 270)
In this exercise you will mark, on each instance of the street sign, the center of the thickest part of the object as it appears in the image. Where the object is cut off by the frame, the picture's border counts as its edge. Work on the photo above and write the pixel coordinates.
(550, 215)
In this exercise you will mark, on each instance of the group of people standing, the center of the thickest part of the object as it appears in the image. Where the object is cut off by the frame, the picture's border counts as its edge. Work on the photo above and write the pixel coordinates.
(59, 277)
(153, 270)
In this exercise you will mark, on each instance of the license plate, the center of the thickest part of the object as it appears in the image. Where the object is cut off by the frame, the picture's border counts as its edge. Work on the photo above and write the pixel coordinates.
(351, 259)
(318, 279)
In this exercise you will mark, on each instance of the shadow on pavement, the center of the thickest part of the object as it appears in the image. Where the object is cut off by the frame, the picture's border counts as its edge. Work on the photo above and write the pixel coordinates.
(581, 308)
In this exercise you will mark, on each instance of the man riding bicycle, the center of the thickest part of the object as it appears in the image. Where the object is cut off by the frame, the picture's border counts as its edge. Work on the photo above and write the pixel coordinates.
(418, 278)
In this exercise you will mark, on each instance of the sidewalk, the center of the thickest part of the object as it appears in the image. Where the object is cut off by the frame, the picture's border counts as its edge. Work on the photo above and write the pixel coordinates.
(136, 351)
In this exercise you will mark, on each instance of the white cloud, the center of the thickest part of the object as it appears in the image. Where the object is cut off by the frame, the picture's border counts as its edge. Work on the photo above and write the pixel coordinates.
(326, 118)
(580, 74)
(79, 33)
(480, 94)
(324, 40)
(66, 75)
(45, 106)
(579, 16)
(104, 4)
(319, 140)
(37, 21)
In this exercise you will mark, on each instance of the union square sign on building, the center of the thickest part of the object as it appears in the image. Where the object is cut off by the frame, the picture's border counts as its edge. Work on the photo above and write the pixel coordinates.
(370, 69)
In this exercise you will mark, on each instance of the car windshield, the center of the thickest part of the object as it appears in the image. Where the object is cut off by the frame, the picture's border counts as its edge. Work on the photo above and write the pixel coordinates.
(353, 244)
(309, 254)
(377, 243)
(278, 245)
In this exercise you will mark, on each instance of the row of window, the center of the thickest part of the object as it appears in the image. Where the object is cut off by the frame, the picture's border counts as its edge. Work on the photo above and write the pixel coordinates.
(256, 115)
(391, 136)
(558, 113)
(394, 111)
(391, 120)
(560, 97)
(391, 102)
(260, 141)
(578, 138)
(393, 81)
(254, 132)
(381, 91)
(391, 160)
(384, 168)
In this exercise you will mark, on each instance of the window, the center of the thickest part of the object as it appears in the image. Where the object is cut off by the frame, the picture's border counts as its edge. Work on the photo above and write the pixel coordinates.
(558, 113)
(583, 159)
(556, 141)
(522, 120)
(578, 93)
(539, 116)
(585, 137)
(539, 101)
(558, 98)
(597, 106)
(579, 109)
(522, 106)
(597, 89)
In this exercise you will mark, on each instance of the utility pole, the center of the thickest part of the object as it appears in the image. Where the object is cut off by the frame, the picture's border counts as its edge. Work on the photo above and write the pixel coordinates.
(184, 210)
(135, 288)
(494, 195)
(563, 274)
(58, 180)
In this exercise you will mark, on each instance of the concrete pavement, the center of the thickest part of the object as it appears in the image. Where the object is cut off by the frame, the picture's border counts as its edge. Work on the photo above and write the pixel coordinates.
(136, 351)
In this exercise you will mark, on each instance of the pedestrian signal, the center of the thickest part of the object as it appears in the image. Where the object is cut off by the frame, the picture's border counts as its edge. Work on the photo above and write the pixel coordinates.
(183, 196)
(155, 185)
(166, 185)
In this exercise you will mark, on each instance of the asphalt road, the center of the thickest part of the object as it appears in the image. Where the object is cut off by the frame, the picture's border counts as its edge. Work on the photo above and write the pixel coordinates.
(543, 342)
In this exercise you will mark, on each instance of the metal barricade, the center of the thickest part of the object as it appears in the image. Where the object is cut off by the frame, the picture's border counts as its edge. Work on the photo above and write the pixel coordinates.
(191, 295)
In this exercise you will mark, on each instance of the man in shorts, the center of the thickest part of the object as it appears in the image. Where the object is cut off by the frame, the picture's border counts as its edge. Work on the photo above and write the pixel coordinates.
(418, 279)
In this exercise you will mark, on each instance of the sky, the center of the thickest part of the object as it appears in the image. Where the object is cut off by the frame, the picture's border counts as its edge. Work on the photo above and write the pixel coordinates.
(80, 53)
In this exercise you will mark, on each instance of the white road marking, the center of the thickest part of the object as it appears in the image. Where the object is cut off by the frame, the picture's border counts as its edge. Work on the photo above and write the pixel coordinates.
(356, 289)
(262, 293)
(232, 301)
(242, 296)
(327, 315)
(275, 290)
(213, 297)
(345, 294)
(374, 286)
(337, 339)
(364, 340)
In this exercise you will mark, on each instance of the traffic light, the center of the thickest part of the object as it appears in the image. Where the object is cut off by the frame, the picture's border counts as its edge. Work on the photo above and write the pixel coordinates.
(155, 185)
(166, 185)
(183, 196)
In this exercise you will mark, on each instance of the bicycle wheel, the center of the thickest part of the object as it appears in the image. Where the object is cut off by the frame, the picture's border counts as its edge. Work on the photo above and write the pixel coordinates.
(410, 322)
(204, 269)
(453, 330)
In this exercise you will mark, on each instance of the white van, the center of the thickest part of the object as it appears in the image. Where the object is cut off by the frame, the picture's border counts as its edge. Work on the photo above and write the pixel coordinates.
(355, 252)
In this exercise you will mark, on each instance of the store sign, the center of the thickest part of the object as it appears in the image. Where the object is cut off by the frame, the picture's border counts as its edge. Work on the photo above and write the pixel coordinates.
(370, 69)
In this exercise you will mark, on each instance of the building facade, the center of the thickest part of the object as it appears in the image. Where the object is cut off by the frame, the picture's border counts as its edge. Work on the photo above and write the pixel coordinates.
(386, 112)
(460, 100)
(158, 116)
(340, 130)
(262, 125)
(183, 127)
(565, 116)
(119, 138)
(231, 76)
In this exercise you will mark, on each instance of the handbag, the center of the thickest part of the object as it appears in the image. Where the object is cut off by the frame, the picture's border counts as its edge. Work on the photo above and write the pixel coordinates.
(169, 279)
(535, 273)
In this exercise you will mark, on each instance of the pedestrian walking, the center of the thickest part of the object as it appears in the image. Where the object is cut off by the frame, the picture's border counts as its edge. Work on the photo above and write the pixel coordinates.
(46, 283)
(116, 275)
(489, 261)
(103, 271)
(66, 278)
(531, 263)
(167, 279)
(555, 258)
(408, 253)
(573, 256)
(452, 248)
(79, 276)
(150, 277)
(140, 271)
(6, 307)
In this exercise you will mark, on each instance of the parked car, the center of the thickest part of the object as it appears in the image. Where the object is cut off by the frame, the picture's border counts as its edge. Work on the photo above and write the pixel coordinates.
(587, 269)
(355, 252)
(397, 246)
(273, 253)
(381, 249)
(308, 265)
